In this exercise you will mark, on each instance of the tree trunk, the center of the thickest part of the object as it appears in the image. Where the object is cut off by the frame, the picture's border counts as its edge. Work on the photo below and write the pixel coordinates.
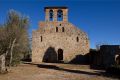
(11, 51)
(8, 49)
(6, 53)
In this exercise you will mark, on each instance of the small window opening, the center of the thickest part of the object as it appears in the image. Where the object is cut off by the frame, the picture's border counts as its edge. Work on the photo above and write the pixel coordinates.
(77, 39)
(63, 29)
(56, 29)
(41, 38)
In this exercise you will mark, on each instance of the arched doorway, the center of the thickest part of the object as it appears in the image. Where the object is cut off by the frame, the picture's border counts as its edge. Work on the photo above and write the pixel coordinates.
(50, 55)
(60, 54)
(117, 59)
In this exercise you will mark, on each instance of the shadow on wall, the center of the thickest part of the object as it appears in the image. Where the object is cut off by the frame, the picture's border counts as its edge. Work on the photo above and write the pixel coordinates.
(79, 59)
(93, 58)
(50, 55)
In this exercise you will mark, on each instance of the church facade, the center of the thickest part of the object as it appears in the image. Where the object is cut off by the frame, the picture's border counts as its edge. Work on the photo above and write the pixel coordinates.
(57, 39)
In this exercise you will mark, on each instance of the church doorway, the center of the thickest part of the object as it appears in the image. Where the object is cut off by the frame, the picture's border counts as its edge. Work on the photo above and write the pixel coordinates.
(60, 54)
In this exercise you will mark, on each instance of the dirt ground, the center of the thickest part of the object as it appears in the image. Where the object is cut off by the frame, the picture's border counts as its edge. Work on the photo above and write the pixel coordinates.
(48, 71)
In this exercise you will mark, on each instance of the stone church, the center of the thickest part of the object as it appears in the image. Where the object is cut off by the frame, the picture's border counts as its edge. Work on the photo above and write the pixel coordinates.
(57, 39)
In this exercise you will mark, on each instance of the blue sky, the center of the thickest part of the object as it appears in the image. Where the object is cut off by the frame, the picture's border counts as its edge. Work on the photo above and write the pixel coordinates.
(99, 18)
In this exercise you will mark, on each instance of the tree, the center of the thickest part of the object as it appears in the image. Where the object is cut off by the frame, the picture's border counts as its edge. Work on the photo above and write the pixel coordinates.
(15, 39)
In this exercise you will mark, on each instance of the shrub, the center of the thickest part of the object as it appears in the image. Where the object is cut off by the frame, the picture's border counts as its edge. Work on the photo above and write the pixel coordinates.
(114, 69)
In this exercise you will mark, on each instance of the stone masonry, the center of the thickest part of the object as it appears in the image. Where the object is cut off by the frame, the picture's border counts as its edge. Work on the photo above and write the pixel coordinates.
(58, 40)
(2, 64)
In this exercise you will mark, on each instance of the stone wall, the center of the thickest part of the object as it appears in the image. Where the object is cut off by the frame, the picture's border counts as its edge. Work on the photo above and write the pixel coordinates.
(71, 40)
(109, 53)
(105, 57)
(56, 40)
(55, 9)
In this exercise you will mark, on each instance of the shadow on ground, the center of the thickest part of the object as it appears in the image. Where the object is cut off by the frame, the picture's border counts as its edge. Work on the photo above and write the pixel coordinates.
(55, 67)
(98, 73)
(67, 70)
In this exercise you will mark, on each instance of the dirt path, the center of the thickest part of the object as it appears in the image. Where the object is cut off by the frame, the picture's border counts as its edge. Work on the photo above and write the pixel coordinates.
(53, 72)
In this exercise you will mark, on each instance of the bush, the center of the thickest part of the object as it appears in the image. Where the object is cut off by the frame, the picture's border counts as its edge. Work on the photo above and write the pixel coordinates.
(114, 69)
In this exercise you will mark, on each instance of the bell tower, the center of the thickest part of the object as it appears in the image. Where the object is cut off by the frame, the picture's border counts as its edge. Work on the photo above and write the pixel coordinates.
(56, 14)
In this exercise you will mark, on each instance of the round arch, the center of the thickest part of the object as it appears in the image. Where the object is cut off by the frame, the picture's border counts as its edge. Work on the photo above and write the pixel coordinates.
(60, 54)
(51, 14)
(59, 15)
(117, 59)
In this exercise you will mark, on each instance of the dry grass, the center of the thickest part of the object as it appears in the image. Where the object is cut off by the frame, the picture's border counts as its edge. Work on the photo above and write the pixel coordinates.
(53, 72)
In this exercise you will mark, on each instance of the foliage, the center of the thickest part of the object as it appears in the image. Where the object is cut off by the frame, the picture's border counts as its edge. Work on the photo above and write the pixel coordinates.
(14, 40)
(114, 69)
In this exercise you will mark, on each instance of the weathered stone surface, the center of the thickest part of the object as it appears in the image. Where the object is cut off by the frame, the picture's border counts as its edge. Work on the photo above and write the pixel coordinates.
(58, 35)
(2, 64)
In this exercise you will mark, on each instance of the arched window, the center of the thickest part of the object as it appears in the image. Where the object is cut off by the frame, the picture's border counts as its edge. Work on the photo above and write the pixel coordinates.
(63, 29)
(59, 15)
(56, 29)
(60, 24)
(51, 15)
(77, 39)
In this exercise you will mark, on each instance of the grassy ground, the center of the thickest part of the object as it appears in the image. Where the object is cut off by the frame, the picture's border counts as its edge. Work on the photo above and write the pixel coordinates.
(48, 71)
